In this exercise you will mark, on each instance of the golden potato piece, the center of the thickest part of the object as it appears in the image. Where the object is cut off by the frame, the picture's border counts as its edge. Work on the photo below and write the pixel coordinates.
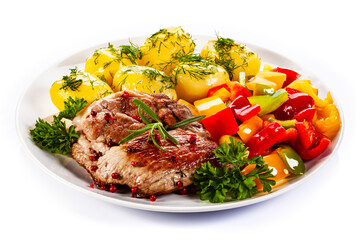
(194, 79)
(105, 62)
(234, 57)
(80, 85)
(145, 79)
(164, 47)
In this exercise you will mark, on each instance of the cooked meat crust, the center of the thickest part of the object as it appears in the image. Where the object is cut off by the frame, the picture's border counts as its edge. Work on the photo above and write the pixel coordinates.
(139, 163)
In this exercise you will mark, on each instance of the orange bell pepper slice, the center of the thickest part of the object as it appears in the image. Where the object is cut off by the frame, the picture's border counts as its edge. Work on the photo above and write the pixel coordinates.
(223, 94)
(274, 162)
(249, 128)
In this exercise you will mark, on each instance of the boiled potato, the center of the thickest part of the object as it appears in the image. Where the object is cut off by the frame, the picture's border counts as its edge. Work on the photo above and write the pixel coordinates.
(145, 79)
(80, 85)
(105, 62)
(194, 79)
(234, 57)
(164, 47)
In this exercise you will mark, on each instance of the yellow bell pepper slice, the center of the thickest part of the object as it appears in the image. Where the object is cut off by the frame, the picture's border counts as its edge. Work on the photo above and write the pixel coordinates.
(209, 106)
(274, 80)
(267, 67)
(328, 120)
(257, 80)
(275, 77)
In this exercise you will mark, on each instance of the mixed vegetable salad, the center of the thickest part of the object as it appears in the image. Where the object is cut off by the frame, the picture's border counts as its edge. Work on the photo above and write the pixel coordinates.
(266, 119)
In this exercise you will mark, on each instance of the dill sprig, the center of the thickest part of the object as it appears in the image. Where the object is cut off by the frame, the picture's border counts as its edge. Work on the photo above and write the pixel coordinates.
(223, 47)
(159, 41)
(196, 70)
(132, 52)
(70, 81)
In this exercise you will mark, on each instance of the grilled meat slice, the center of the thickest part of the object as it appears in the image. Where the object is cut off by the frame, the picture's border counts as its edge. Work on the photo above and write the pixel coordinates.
(115, 114)
(139, 163)
(105, 122)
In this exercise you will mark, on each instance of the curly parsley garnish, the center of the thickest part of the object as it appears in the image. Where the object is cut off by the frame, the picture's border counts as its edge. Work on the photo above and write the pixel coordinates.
(55, 137)
(217, 184)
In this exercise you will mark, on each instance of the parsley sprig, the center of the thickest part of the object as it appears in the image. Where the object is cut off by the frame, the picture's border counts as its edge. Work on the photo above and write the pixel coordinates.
(157, 125)
(72, 107)
(217, 184)
(55, 137)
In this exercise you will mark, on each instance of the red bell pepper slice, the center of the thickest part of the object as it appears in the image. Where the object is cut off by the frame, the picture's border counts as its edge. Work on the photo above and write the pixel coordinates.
(308, 136)
(312, 152)
(239, 103)
(236, 89)
(242, 109)
(292, 90)
(264, 139)
(247, 112)
(214, 89)
(221, 123)
(290, 136)
(306, 114)
(266, 123)
(290, 75)
(297, 102)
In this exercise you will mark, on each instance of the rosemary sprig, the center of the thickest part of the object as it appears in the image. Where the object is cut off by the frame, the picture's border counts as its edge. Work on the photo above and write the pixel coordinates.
(157, 125)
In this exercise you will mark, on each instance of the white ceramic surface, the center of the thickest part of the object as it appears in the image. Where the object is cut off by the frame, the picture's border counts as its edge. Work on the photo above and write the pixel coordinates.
(35, 102)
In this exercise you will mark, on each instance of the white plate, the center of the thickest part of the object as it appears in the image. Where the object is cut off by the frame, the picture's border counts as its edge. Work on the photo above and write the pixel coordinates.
(36, 102)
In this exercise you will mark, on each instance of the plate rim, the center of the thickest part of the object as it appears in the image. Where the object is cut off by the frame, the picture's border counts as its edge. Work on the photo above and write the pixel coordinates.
(151, 206)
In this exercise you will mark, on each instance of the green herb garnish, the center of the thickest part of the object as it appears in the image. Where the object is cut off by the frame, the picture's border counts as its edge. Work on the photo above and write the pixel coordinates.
(223, 47)
(71, 81)
(55, 137)
(196, 70)
(157, 125)
(72, 107)
(217, 184)
(132, 51)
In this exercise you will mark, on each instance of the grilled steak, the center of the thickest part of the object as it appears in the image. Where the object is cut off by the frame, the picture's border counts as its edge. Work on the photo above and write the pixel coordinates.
(139, 163)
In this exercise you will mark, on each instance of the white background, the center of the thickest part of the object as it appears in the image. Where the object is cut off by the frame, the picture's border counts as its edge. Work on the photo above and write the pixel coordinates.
(321, 35)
